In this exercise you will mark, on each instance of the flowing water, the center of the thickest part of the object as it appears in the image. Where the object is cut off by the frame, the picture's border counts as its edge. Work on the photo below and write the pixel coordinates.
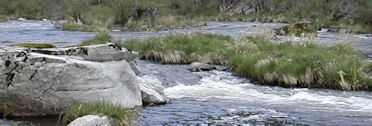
(218, 97)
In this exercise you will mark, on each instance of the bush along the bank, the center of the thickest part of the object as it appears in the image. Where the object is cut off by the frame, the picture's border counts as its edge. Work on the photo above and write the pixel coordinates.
(182, 49)
(100, 38)
(279, 64)
(120, 116)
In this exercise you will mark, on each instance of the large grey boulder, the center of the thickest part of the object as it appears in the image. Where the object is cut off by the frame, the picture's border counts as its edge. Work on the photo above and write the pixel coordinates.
(35, 83)
(92, 120)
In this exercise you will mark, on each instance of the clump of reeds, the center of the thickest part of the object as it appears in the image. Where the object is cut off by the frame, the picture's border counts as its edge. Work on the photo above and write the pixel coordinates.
(181, 49)
(119, 115)
(303, 65)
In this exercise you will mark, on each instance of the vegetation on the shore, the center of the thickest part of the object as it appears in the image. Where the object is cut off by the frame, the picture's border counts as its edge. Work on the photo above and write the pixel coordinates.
(3, 18)
(120, 116)
(100, 38)
(73, 26)
(281, 64)
(92, 15)
(35, 45)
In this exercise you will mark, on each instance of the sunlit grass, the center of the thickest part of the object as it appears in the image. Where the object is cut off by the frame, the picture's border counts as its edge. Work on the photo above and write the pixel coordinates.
(100, 38)
(121, 116)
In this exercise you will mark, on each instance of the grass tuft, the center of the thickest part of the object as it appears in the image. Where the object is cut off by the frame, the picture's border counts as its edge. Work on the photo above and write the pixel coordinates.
(100, 38)
(181, 49)
(71, 26)
(119, 115)
(303, 65)
(35, 45)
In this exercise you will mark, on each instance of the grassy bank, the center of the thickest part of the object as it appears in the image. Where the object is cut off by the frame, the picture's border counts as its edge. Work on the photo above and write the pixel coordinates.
(119, 115)
(286, 64)
(100, 38)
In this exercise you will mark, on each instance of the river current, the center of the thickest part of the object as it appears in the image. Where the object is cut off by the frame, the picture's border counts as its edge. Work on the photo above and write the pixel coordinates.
(218, 97)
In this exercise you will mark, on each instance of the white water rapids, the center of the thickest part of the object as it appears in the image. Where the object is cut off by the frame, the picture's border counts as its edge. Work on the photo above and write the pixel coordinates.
(217, 97)
(225, 87)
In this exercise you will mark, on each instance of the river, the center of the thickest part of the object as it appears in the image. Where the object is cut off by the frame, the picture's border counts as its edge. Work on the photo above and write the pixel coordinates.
(218, 97)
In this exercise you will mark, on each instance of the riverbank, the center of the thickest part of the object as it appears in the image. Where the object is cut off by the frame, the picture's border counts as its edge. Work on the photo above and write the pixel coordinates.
(214, 97)
(145, 15)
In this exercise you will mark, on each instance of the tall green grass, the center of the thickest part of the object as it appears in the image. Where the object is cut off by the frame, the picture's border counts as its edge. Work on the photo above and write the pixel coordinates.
(181, 49)
(73, 26)
(100, 38)
(303, 65)
(119, 115)
(284, 64)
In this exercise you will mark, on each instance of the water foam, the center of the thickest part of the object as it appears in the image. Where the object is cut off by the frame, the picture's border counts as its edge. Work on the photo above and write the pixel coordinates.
(223, 86)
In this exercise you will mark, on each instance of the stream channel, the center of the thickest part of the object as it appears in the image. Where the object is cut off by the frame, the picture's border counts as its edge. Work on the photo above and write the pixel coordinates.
(218, 97)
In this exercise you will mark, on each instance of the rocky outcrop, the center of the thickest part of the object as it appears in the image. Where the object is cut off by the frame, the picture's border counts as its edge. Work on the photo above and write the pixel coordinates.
(92, 120)
(47, 81)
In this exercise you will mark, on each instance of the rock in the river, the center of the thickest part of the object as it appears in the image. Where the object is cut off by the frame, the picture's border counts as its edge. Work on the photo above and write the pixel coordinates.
(198, 66)
(46, 82)
(337, 30)
(152, 91)
(92, 120)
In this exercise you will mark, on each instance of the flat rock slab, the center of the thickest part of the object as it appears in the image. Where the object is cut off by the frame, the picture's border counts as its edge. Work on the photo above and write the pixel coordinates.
(34, 83)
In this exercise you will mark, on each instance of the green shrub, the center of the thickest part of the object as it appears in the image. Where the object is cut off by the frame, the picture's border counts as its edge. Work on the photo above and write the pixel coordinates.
(121, 116)
(100, 38)
(99, 15)
(35, 45)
